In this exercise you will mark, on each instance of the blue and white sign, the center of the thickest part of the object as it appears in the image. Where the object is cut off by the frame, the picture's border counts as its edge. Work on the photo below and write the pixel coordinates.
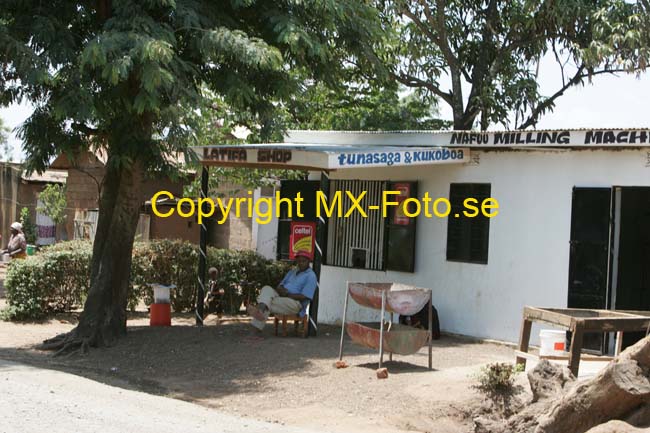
(398, 158)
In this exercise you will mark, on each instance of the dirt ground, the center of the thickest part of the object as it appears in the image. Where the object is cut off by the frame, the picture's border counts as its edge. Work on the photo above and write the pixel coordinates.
(286, 380)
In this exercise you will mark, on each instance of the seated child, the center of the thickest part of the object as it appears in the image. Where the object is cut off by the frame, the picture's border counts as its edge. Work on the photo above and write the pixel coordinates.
(213, 300)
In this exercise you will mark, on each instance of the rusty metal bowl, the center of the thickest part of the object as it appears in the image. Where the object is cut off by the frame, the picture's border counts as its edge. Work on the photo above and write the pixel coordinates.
(400, 339)
(400, 298)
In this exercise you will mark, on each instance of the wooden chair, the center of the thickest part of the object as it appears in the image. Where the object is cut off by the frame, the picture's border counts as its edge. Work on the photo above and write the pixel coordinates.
(296, 322)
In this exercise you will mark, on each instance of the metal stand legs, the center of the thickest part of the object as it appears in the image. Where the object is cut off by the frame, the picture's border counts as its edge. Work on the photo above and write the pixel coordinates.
(345, 310)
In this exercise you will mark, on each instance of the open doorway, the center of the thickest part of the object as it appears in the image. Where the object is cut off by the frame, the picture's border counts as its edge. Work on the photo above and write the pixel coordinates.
(631, 266)
(609, 264)
(590, 255)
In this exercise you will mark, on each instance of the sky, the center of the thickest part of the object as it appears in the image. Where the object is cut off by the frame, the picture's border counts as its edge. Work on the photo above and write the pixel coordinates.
(608, 102)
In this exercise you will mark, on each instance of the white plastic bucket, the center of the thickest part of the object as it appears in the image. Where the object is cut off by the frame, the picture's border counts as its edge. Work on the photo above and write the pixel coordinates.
(161, 293)
(552, 342)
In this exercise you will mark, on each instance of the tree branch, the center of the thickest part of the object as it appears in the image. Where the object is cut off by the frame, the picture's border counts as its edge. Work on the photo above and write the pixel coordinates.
(414, 82)
(79, 127)
(437, 22)
(420, 25)
(104, 9)
(483, 67)
(576, 79)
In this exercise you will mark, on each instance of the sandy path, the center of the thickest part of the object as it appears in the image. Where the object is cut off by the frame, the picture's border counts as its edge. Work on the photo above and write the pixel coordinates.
(34, 399)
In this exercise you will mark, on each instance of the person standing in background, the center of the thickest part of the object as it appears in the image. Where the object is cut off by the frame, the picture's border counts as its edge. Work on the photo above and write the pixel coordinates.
(17, 245)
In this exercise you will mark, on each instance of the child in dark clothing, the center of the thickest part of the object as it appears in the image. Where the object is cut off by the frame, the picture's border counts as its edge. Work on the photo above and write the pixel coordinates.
(215, 294)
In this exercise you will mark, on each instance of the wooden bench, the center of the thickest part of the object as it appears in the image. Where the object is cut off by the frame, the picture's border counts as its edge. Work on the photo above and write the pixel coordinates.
(297, 320)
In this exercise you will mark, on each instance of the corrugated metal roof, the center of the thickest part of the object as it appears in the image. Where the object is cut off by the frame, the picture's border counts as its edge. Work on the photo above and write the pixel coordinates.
(48, 176)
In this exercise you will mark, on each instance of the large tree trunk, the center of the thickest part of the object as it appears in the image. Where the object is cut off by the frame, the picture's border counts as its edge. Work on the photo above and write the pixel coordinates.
(621, 391)
(104, 316)
(617, 390)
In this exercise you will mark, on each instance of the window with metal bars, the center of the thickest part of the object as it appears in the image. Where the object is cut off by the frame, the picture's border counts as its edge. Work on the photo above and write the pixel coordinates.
(356, 241)
(467, 238)
(372, 242)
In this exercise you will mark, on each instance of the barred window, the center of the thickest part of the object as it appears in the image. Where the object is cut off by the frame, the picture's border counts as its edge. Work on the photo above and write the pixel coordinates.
(356, 242)
(373, 243)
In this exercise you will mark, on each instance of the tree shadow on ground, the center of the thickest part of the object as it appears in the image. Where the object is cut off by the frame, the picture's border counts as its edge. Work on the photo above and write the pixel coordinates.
(194, 362)
(220, 361)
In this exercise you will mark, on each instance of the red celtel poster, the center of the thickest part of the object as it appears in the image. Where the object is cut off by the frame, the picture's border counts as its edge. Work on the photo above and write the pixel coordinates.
(303, 237)
(399, 217)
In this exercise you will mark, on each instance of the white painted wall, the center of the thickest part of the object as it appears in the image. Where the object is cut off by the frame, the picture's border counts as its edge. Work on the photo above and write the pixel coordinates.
(529, 240)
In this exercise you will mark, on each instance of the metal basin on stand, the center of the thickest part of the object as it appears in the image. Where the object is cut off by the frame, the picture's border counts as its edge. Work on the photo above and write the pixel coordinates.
(386, 336)
(401, 299)
(400, 339)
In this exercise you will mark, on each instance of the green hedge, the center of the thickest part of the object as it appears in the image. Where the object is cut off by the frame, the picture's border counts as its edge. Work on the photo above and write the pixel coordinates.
(57, 279)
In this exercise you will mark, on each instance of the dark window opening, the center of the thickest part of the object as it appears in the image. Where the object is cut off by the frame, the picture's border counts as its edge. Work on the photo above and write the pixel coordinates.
(359, 258)
(468, 237)
(400, 230)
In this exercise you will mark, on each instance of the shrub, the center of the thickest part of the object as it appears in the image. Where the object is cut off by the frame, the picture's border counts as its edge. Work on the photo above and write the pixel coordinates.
(58, 279)
(165, 262)
(497, 382)
(25, 292)
(497, 378)
(54, 202)
(29, 228)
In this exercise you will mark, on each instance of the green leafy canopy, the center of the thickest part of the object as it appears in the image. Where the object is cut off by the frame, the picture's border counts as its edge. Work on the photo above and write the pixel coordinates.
(481, 57)
(121, 74)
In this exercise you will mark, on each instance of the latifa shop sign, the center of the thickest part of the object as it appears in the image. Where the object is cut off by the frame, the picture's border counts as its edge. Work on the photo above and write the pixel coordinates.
(302, 238)
(239, 155)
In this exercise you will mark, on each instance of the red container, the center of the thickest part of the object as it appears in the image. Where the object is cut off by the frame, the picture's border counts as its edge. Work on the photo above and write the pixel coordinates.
(160, 315)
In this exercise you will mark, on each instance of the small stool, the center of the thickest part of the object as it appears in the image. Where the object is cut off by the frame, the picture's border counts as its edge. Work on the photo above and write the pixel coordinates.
(296, 322)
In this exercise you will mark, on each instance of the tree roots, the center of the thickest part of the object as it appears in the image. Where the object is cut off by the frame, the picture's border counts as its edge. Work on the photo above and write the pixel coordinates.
(68, 344)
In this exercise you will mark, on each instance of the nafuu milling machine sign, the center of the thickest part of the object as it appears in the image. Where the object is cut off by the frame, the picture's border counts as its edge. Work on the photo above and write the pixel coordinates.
(332, 150)
(593, 137)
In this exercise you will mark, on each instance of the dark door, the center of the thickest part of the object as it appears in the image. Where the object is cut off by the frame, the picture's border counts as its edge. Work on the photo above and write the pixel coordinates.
(633, 276)
(589, 258)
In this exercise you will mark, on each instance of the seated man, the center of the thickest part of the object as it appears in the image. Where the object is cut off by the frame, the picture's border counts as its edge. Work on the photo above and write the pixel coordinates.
(213, 300)
(17, 245)
(290, 297)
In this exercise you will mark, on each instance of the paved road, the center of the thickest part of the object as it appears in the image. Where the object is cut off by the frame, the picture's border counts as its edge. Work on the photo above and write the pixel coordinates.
(39, 400)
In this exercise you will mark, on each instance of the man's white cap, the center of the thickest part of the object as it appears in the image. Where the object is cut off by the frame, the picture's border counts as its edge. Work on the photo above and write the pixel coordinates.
(17, 226)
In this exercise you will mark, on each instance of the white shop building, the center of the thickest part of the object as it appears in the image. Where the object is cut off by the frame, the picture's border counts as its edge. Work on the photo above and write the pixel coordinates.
(572, 230)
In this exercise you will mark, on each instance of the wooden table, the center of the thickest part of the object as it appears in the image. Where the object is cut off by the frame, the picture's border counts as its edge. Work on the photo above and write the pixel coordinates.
(579, 321)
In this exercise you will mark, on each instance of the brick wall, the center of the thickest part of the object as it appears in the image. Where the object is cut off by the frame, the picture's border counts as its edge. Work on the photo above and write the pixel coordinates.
(83, 194)
(235, 233)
